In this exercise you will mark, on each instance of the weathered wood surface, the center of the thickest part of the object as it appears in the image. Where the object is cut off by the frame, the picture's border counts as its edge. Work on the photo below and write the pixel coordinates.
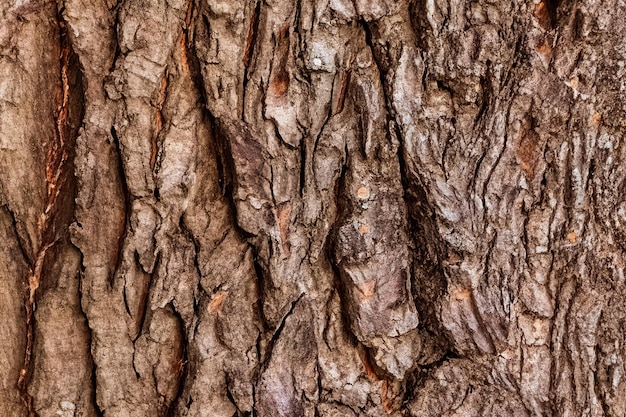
(323, 208)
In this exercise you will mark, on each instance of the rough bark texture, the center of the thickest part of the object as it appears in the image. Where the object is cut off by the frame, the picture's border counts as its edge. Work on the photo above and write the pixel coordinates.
(312, 208)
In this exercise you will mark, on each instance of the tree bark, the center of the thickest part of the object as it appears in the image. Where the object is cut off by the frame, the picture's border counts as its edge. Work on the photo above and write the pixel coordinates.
(324, 208)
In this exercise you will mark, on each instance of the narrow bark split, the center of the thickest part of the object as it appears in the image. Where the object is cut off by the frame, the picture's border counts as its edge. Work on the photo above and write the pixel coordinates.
(341, 208)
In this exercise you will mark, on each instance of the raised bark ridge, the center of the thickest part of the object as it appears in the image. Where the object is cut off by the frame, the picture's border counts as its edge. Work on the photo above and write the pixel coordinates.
(333, 208)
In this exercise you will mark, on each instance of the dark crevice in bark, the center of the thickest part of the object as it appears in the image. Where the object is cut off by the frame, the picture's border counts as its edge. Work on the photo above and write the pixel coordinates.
(320, 387)
(225, 164)
(343, 92)
(18, 237)
(519, 56)
(94, 383)
(416, 380)
(562, 313)
(444, 153)
(365, 352)
(472, 182)
(487, 94)
(273, 198)
(303, 166)
(182, 368)
(90, 338)
(577, 25)
(343, 296)
(61, 190)
(143, 302)
(93, 380)
(269, 349)
(252, 37)
(329, 246)
(429, 249)
(419, 23)
(116, 25)
(495, 165)
(428, 252)
(249, 52)
(254, 400)
(27, 369)
(260, 274)
(127, 206)
(225, 159)
(132, 362)
(597, 379)
(125, 297)
(156, 140)
(190, 360)
(552, 7)
(327, 311)
(230, 396)
(224, 167)
(196, 244)
(375, 372)
(524, 237)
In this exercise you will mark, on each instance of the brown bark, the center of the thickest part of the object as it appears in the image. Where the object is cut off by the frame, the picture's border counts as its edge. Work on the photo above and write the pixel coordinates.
(327, 208)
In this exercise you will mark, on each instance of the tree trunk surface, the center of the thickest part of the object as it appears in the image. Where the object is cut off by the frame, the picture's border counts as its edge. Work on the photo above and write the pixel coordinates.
(312, 208)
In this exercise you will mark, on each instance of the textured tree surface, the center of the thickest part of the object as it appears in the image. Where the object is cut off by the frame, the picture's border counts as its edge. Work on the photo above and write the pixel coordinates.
(312, 208)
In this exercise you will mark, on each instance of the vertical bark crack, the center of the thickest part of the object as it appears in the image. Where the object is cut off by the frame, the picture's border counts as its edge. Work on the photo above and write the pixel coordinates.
(429, 249)
(127, 205)
(267, 354)
(249, 52)
(93, 370)
(60, 188)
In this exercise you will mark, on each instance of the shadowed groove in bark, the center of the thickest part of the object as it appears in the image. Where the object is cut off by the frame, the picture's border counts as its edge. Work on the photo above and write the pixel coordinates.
(366, 355)
(429, 249)
(261, 274)
(182, 365)
(22, 245)
(230, 397)
(266, 355)
(93, 368)
(116, 24)
(253, 32)
(226, 179)
(61, 189)
(224, 161)
(127, 204)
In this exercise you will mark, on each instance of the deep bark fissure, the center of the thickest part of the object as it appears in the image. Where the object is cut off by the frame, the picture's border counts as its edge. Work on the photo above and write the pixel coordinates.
(261, 279)
(182, 368)
(61, 190)
(419, 212)
(116, 24)
(127, 204)
(230, 397)
(340, 285)
(253, 31)
(91, 362)
(267, 355)
(18, 237)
